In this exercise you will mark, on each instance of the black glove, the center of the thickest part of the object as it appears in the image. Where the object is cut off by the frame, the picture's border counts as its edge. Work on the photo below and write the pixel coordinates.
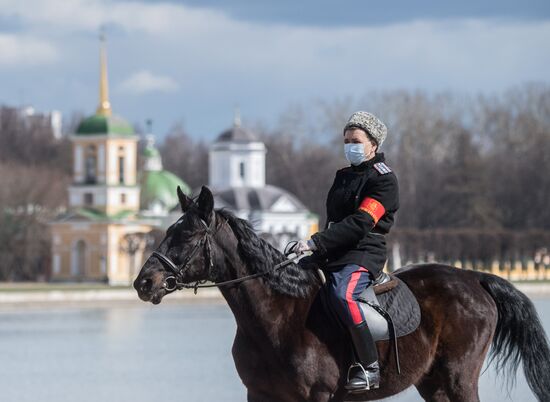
(309, 262)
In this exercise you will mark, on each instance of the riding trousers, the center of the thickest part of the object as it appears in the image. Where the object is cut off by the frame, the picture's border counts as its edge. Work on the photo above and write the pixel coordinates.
(344, 287)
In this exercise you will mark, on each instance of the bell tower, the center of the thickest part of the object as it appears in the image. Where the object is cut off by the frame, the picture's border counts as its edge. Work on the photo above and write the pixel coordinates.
(104, 157)
(102, 236)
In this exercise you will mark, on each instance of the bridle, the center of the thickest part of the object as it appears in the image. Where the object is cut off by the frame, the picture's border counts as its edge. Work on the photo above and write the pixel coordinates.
(173, 282)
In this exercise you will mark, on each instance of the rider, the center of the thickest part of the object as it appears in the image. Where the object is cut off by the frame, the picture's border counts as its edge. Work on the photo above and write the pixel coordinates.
(360, 210)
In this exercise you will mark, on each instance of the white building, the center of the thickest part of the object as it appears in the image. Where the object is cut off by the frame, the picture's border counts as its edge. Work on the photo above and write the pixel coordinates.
(237, 180)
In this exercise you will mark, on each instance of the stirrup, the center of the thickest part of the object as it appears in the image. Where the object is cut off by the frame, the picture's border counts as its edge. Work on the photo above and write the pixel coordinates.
(367, 387)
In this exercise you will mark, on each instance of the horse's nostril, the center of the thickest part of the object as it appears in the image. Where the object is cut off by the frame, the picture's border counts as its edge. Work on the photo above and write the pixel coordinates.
(146, 285)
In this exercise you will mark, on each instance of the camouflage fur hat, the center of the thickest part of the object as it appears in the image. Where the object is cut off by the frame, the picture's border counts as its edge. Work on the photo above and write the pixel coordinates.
(369, 123)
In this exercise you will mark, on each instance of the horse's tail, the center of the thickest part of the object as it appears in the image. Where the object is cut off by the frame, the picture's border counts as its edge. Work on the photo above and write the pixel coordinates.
(519, 336)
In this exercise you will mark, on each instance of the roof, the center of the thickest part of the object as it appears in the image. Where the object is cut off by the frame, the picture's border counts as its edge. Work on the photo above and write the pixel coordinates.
(160, 186)
(89, 214)
(237, 134)
(256, 198)
(99, 124)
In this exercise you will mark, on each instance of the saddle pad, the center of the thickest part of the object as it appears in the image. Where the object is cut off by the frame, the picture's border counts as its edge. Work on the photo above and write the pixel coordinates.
(400, 303)
(386, 286)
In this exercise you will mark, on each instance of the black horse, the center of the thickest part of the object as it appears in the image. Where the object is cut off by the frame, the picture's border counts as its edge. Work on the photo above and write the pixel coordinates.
(286, 349)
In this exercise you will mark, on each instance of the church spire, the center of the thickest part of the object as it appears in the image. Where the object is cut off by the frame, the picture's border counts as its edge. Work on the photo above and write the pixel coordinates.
(237, 117)
(104, 107)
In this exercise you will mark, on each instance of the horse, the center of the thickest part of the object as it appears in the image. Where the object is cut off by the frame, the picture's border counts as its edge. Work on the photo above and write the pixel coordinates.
(286, 349)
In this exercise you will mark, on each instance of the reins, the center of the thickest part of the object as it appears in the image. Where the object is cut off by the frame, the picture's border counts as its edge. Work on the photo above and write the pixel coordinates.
(172, 283)
(199, 284)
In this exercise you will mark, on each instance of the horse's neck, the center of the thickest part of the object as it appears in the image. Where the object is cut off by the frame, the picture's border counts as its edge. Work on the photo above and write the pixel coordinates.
(259, 311)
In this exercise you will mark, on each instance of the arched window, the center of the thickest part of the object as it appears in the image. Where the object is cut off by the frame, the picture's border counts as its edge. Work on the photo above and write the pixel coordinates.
(91, 164)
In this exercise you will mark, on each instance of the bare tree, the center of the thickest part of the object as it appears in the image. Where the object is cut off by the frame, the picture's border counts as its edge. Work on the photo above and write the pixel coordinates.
(472, 170)
(185, 157)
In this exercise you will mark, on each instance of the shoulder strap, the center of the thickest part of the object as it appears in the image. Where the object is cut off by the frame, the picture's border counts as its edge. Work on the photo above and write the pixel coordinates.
(382, 168)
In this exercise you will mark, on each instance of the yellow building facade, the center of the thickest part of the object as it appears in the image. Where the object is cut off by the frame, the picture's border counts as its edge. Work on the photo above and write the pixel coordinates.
(102, 237)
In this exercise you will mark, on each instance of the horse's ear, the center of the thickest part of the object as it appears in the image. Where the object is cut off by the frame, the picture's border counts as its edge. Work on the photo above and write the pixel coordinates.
(185, 201)
(206, 203)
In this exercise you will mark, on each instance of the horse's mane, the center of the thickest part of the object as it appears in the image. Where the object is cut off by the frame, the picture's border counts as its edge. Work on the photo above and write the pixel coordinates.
(260, 256)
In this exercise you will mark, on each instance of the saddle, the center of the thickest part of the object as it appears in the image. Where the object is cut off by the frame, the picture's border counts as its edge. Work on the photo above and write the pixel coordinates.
(389, 302)
(390, 308)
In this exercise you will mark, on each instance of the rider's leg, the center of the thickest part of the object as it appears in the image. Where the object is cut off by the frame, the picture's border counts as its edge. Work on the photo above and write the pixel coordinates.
(345, 287)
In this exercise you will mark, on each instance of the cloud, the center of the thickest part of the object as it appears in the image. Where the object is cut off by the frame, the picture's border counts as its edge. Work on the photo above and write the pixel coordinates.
(205, 43)
(20, 51)
(264, 66)
(144, 81)
(90, 15)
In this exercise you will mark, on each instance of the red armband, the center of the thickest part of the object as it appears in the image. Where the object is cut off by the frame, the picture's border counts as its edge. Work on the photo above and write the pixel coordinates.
(373, 208)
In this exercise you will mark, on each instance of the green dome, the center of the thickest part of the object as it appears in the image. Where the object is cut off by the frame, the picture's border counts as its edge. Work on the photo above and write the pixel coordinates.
(159, 187)
(101, 124)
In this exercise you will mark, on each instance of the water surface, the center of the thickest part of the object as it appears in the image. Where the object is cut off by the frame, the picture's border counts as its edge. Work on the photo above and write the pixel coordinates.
(143, 353)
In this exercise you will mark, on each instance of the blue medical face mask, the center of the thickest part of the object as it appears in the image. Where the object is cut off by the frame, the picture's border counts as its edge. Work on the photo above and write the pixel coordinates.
(355, 153)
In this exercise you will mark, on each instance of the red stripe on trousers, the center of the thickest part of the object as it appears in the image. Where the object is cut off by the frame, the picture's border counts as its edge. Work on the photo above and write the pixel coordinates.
(352, 305)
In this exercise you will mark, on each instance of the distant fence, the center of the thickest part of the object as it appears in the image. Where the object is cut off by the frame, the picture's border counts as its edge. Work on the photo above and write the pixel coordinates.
(514, 255)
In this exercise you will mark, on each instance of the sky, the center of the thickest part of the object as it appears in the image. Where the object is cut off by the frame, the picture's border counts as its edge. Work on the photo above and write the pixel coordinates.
(194, 61)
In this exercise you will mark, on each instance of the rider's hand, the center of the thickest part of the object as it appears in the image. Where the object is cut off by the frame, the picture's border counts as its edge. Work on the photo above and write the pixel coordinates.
(304, 246)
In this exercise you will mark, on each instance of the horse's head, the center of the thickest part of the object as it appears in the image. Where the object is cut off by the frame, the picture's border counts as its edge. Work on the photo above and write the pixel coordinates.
(185, 254)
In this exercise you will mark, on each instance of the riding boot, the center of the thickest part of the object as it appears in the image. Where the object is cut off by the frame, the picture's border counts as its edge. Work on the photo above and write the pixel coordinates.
(364, 374)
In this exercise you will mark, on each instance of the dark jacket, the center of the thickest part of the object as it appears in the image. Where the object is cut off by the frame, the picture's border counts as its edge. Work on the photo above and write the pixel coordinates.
(361, 204)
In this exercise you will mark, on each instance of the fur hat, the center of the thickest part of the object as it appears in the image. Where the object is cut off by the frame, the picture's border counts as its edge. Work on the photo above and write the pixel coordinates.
(369, 123)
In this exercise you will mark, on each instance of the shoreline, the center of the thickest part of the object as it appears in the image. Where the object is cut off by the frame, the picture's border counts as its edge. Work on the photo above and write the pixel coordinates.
(38, 296)
(27, 298)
